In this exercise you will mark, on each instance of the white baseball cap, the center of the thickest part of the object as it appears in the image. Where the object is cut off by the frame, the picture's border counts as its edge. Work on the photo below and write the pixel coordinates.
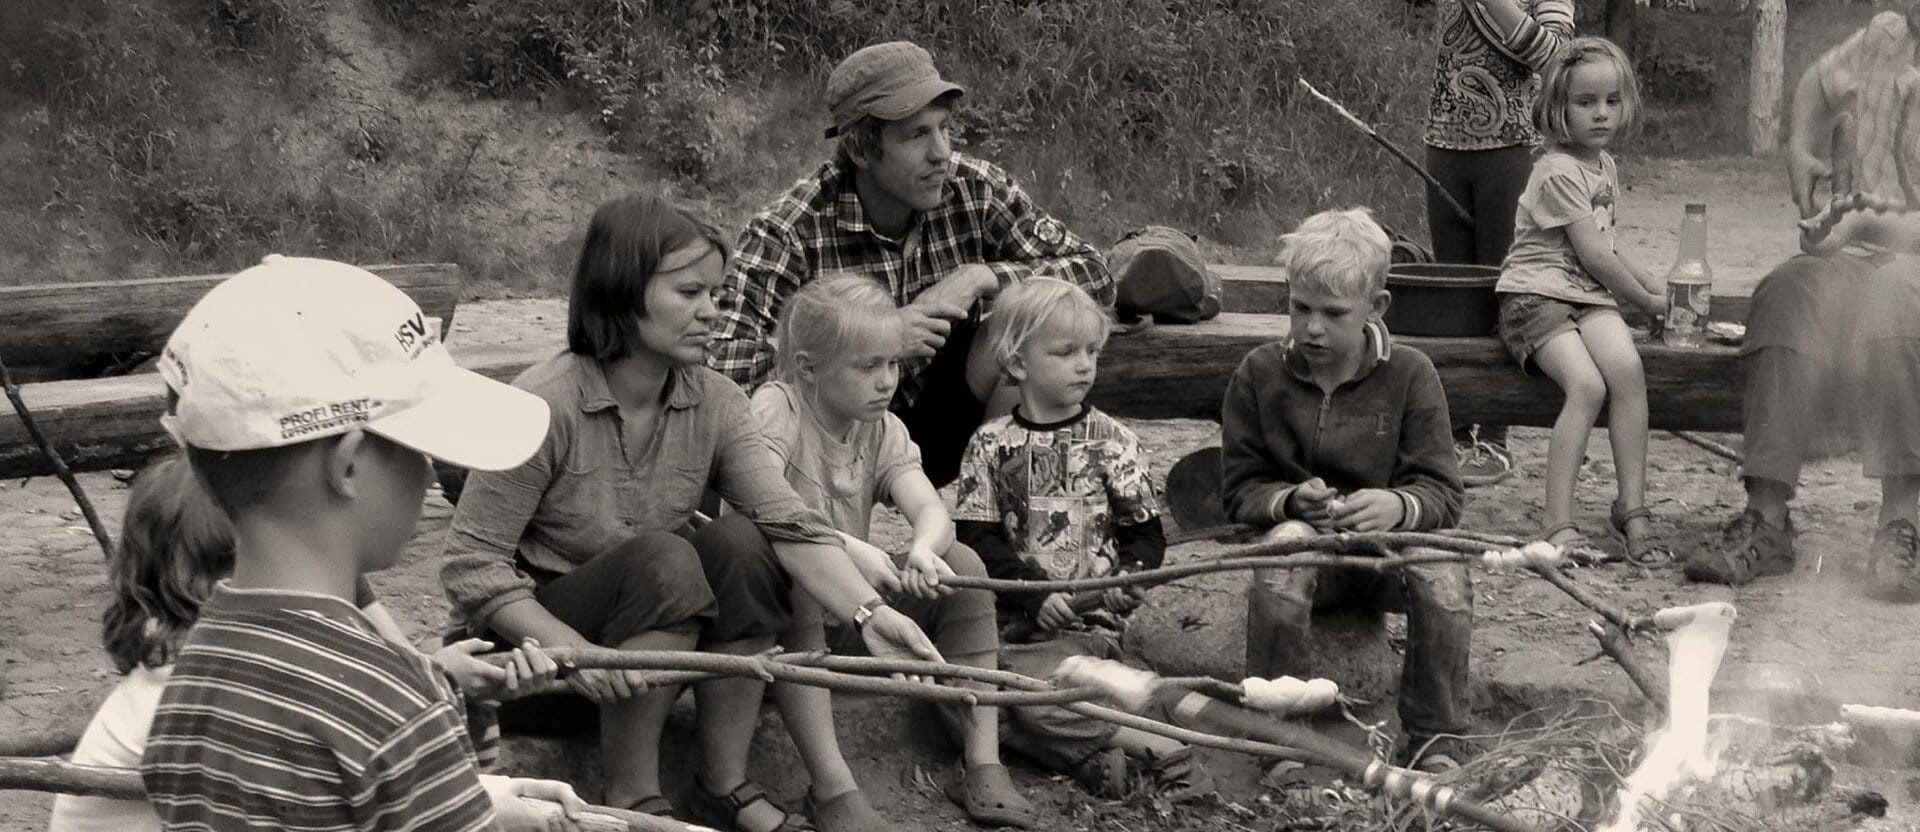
(296, 349)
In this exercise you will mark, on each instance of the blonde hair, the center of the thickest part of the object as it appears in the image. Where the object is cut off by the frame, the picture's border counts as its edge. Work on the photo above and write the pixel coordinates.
(1343, 253)
(828, 316)
(1040, 304)
(1550, 108)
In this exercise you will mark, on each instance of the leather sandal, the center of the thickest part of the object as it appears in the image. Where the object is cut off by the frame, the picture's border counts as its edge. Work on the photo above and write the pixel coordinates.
(1180, 777)
(1641, 548)
(1103, 773)
(1578, 549)
(656, 805)
(987, 795)
(723, 810)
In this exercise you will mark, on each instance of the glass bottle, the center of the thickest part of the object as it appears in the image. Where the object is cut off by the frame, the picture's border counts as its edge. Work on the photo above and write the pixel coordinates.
(1689, 283)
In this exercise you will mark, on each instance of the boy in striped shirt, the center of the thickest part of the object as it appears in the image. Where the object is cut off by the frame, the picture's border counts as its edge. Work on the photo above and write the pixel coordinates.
(308, 394)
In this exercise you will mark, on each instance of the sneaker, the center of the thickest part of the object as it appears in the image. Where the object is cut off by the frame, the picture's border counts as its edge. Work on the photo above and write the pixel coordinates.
(1482, 463)
(1750, 548)
(1895, 556)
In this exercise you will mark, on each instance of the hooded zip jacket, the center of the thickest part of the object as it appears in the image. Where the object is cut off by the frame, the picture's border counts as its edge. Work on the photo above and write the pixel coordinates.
(1386, 427)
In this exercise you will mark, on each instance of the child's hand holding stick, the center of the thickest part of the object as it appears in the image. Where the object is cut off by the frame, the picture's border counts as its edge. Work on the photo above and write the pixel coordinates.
(527, 668)
(1311, 501)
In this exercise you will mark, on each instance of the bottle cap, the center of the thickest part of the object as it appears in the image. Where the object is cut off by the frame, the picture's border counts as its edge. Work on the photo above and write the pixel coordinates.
(1696, 207)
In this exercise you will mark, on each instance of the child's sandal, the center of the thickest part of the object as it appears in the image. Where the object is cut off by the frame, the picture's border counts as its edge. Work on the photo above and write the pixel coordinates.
(1180, 777)
(723, 810)
(1578, 550)
(1103, 773)
(1641, 548)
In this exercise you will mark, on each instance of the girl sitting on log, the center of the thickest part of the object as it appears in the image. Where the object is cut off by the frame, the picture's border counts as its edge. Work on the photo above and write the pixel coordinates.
(175, 544)
(826, 416)
(1561, 287)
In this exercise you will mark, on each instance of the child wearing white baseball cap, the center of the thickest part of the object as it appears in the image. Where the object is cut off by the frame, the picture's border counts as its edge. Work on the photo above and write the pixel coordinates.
(307, 394)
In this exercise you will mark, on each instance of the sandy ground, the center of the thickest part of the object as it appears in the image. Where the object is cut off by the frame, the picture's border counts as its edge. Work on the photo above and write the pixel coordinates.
(1818, 620)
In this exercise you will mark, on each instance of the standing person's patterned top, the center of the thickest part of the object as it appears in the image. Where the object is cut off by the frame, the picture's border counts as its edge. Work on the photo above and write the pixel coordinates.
(1484, 83)
(1070, 499)
(1562, 190)
(286, 710)
(1870, 80)
(819, 228)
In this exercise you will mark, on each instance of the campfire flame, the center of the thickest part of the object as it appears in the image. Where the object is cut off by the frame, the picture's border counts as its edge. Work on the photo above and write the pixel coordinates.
(1678, 752)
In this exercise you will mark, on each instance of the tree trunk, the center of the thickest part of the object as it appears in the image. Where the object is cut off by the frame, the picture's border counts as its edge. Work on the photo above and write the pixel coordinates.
(1767, 76)
(1620, 23)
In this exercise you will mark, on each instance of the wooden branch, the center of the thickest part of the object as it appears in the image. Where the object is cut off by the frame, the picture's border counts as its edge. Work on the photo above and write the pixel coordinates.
(1709, 446)
(1437, 188)
(47, 743)
(60, 777)
(1614, 643)
(1613, 614)
(54, 459)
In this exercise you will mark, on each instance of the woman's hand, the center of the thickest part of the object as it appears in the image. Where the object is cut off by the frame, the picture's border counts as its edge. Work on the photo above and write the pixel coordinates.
(607, 687)
(890, 634)
(527, 667)
(1123, 599)
(921, 578)
(874, 565)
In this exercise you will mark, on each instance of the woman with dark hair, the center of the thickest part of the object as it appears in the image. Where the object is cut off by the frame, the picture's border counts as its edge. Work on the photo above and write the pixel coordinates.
(587, 543)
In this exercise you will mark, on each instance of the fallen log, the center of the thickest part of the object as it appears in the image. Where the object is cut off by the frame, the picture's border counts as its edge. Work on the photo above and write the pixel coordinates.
(1166, 372)
(52, 331)
(97, 424)
(1180, 372)
(1263, 290)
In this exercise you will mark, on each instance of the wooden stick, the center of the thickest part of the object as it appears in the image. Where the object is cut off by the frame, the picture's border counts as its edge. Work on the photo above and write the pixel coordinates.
(62, 777)
(1586, 598)
(1614, 643)
(41, 743)
(1709, 446)
(1458, 209)
(59, 463)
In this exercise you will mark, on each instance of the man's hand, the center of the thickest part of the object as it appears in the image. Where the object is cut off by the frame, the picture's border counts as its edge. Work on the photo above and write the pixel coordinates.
(960, 289)
(514, 813)
(1309, 502)
(1368, 510)
(874, 565)
(1056, 612)
(1806, 172)
(527, 666)
(924, 328)
(921, 578)
(889, 634)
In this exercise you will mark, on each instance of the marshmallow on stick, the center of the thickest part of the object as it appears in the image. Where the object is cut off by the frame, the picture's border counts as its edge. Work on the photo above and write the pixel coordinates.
(1288, 696)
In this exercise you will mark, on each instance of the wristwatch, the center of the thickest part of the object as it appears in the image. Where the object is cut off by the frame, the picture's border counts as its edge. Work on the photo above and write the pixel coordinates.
(865, 612)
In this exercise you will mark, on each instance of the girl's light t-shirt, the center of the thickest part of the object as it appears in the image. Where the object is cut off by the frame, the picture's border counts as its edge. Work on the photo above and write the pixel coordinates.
(115, 738)
(841, 478)
(1562, 190)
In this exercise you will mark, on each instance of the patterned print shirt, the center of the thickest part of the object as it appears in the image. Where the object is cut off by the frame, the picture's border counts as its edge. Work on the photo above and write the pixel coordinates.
(1484, 84)
(1870, 79)
(820, 229)
(1058, 489)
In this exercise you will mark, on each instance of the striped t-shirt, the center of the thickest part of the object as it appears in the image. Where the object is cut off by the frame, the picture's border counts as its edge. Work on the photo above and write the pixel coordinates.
(287, 711)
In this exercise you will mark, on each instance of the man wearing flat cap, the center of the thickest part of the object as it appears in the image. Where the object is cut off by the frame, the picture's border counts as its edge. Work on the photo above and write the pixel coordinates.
(942, 230)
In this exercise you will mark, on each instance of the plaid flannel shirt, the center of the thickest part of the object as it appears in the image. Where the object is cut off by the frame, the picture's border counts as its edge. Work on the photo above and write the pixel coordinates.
(819, 228)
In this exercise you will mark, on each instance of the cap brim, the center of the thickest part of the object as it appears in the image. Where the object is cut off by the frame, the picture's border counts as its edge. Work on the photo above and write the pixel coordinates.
(471, 421)
(907, 101)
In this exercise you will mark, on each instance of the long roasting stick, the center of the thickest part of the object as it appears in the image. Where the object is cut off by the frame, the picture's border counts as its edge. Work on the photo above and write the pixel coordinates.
(1373, 134)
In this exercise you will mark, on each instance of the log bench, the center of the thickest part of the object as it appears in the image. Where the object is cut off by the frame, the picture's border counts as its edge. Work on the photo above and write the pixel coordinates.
(1166, 372)
(53, 331)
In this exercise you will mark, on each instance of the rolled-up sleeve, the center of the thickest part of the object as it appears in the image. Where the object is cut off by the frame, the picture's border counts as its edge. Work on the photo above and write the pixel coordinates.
(477, 570)
(750, 476)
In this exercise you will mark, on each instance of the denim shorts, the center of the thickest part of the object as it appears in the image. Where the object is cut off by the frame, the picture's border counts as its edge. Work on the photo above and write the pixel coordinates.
(1529, 321)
